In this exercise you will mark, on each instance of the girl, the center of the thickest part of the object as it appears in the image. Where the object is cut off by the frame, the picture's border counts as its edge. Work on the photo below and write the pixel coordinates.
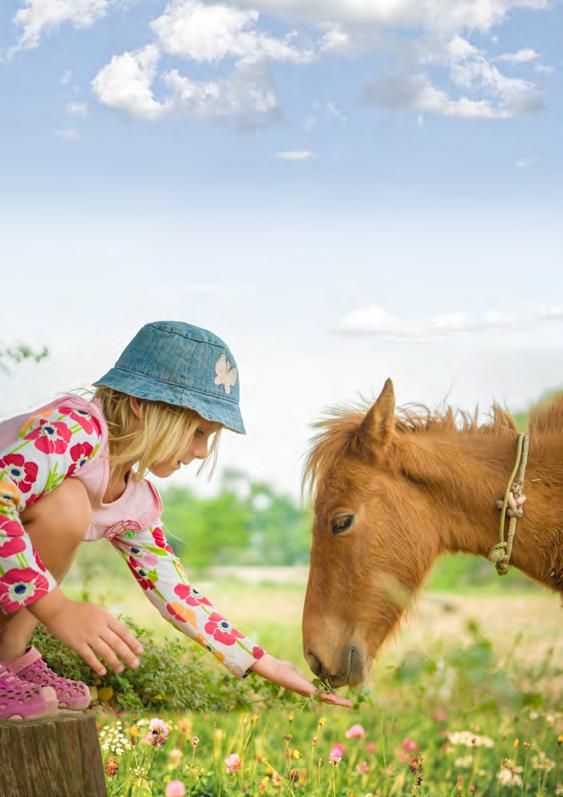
(74, 470)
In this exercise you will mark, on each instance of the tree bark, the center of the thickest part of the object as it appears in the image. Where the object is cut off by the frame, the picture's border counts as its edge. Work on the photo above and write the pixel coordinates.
(53, 756)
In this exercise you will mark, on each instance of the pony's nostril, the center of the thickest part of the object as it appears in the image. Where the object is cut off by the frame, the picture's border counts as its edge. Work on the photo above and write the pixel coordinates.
(315, 664)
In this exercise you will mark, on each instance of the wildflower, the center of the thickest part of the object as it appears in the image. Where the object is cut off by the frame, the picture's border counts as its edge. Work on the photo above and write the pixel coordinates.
(111, 768)
(174, 758)
(419, 780)
(409, 744)
(370, 747)
(296, 754)
(336, 753)
(133, 731)
(355, 732)
(322, 722)
(541, 761)
(218, 733)
(158, 732)
(516, 743)
(465, 762)
(362, 767)
(315, 741)
(440, 716)
(469, 739)
(113, 740)
(175, 789)
(560, 739)
(293, 775)
(507, 777)
(472, 789)
(195, 742)
(233, 762)
(185, 726)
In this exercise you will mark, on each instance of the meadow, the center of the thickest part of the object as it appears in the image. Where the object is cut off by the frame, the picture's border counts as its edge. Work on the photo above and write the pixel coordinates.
(465, 700)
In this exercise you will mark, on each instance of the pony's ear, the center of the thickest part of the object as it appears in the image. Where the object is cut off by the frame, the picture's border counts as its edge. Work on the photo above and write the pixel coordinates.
(378, 426)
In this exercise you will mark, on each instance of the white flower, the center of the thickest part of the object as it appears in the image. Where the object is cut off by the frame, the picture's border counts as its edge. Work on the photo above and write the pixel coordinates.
(541, 761)
(464, 762)
(508, 777)
(226, 374)
(469, 739)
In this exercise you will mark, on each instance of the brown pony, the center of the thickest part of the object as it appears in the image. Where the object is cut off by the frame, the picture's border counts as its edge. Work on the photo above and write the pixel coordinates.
(393, 491)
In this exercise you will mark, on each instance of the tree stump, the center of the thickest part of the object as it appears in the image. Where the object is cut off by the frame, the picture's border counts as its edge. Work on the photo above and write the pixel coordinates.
(53, 756)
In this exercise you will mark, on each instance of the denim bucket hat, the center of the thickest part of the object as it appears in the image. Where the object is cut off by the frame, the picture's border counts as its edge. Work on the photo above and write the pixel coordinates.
(180, 364)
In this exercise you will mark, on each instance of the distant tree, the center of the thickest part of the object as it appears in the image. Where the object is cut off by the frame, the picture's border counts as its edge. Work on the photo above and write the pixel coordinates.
(19, 352)
(521, 418)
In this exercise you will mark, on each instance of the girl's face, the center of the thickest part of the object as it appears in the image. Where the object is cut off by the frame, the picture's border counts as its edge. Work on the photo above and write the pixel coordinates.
(196, 449)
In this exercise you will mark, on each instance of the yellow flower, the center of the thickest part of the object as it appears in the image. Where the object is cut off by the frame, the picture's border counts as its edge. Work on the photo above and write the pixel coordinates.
(106, 693)
(133, 730)
(322, 722)
(296, 754)
(516, 743)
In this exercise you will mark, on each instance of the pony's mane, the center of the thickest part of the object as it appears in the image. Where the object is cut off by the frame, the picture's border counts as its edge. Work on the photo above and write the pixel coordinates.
(338, 427)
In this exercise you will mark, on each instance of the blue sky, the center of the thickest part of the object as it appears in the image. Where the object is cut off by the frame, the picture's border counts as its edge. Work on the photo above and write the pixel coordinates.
(343, 190)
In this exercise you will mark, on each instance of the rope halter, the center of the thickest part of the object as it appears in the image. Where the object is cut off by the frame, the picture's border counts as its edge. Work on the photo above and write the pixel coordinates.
(512, 505)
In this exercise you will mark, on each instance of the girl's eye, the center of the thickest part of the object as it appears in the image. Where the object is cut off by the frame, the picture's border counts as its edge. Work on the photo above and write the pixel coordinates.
(342, 523)
(199, 432)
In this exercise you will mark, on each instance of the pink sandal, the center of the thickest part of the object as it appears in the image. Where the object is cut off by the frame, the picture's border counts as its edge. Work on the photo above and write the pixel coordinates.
(20, 700)
(31, 668)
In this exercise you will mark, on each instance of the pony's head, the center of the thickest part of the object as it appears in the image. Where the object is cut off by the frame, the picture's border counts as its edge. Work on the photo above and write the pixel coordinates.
(381, 513)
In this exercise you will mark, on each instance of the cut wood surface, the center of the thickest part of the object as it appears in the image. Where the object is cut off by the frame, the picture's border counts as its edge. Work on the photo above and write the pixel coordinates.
(53, 756)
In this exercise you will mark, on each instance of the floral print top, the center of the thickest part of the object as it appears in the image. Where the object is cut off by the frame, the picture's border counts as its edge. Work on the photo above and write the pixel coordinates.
(53, 444)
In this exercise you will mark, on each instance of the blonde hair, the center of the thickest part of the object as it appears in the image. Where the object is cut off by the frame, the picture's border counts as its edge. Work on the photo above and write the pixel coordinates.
(165, 432)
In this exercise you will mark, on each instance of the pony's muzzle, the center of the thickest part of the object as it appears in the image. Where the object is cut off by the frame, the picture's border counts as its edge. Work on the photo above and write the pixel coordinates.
(348, 669)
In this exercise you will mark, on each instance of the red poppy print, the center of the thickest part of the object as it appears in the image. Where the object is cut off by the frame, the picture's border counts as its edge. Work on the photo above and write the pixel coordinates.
(221, 630)
(140, 574)
(190, 595)
(158, 537)
(20, 472)
(88, 422)
(38, 561)
(11, 537)
(257, 652)
(80, 453)
(51, 437)
(20, 587)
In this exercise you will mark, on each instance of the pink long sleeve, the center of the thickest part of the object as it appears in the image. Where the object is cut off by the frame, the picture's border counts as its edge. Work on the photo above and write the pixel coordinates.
(52, 445)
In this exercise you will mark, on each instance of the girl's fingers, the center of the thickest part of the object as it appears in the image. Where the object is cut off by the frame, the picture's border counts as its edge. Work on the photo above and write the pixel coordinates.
(86, 652)
(125, 634)
(336, 700)
(104, 650)
(119, 647)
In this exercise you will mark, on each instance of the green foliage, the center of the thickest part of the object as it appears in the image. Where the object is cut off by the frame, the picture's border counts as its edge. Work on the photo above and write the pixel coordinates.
(246, 523)
(20, 352)
(171, 677)
(521, 417)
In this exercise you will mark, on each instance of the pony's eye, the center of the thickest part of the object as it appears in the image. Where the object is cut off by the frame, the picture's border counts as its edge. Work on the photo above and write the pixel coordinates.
(341, 523)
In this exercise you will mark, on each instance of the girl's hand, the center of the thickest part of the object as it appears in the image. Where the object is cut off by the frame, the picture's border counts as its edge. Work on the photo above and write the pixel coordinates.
(285, 674)
(91, 631)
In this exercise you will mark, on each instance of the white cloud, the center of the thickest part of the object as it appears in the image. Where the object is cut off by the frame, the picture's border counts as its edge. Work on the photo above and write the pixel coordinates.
(66, 77)
(38, 17)
(245, 94)
(68, 133)
(77, 108)
(295, 155)
(446, 16)
(544, 69)
(125, 84)
(525, 163)
(375, 320)
(552, 312)
(523, 56)
(408, 84)
(209, 33)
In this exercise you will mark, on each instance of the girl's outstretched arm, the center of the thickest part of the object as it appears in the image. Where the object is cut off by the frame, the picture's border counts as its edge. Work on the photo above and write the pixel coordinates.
(51, 445)
(162, 577)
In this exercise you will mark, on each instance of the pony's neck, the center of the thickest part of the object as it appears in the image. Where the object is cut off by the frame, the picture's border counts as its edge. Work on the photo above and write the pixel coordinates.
(462, 476)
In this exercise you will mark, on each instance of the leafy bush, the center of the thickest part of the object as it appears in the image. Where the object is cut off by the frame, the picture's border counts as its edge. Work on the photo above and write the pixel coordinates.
(170, 677)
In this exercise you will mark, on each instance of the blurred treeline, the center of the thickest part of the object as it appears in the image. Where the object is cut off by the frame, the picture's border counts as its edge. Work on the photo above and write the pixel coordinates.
(246, 523)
